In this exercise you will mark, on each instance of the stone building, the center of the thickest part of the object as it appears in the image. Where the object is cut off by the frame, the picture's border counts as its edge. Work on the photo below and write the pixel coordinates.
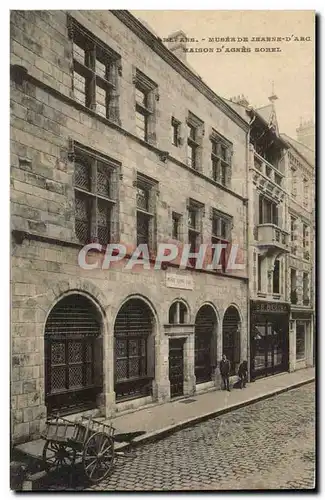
(281, 240)
(268, 241)
(301, 259)
(115, 139)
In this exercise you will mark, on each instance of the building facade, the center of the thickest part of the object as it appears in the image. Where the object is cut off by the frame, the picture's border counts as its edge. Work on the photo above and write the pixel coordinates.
(114, 139)
(269, 240)
(281, 243)
(301, 259)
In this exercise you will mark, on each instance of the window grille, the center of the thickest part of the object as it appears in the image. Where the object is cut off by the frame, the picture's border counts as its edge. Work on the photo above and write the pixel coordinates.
(204, 330)
(231, 337)
(71, 332)
(132, 329)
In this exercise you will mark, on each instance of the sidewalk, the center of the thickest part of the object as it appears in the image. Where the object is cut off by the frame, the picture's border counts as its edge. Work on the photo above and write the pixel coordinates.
(159, 420)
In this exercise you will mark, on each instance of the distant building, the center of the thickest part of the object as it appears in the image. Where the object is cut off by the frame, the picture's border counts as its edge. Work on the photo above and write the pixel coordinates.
(306, 134)
(301, 260)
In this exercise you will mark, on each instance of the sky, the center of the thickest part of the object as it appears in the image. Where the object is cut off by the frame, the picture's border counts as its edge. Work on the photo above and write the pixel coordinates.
(250, 74)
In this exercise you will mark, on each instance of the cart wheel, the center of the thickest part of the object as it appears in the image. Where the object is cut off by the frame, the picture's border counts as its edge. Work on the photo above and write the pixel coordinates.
(98, 456)
(57, 455)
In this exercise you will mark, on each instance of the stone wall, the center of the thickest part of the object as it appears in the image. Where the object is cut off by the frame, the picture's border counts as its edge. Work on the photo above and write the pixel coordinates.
(42, 273)
(44, 120)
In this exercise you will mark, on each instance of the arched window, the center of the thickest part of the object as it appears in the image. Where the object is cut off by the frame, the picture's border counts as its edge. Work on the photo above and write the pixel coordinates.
(134, 350)
(205, 347)
(178, 314)
(231, 337)
(73, 356)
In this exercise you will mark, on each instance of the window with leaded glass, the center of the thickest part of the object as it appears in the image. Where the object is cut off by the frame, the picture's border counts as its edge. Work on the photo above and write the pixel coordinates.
(95, 72)
(268, 211)
(221, 152)
(132, 330)
(145, 98)
(195, 131)
(95, 183)
(220, 234)
(72, 347)
(194, 217)
(146, 209)
(141, 114)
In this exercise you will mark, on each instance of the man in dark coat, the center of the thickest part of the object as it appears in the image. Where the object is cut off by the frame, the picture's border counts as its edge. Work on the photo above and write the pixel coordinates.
(225, 372)
(242, 374)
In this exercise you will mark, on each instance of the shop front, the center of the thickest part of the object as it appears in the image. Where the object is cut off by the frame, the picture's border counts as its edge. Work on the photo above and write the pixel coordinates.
(269, 338)
(303, 339)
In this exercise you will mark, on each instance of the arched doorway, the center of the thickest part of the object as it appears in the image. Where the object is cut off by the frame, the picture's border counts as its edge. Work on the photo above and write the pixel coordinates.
(73, 355)
(134, 350)
(205, 343)
(231, 337)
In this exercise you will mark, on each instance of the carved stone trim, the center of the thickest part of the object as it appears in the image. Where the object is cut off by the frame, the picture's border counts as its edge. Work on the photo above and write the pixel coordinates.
(18, 73)
(163, 155)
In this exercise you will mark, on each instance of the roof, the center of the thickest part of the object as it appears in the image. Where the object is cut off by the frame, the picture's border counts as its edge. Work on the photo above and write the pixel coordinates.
(238, 108)
(307, 153)
(268, 114)
(155, 43)
(265, 111)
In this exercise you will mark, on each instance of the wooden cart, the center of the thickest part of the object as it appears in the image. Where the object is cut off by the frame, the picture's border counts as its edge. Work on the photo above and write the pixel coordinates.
(88, 439)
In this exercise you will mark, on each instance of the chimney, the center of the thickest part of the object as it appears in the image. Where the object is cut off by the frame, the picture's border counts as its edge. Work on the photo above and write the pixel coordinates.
(240, 99)
(306, 134)
(177, 44)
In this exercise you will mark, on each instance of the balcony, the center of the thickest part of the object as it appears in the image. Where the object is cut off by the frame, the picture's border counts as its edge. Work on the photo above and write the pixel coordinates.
(268, 177)
(272, 239)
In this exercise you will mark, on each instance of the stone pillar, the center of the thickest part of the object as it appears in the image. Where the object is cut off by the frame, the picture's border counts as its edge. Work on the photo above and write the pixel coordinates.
(292, 345)
(189, 365)
(108, 369)
(160, 384)
(163, 385)
(217, 376)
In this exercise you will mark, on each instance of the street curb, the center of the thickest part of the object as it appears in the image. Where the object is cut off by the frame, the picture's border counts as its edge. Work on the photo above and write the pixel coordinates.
(165, 431)
(171, 429)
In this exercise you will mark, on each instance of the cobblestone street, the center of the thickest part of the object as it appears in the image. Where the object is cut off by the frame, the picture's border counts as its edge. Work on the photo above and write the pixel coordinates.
(269, 444)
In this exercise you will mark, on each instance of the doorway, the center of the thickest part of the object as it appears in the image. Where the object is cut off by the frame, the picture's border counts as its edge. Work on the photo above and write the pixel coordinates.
(176, 367)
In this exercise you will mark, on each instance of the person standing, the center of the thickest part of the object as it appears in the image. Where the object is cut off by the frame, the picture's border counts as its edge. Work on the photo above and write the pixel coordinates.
(243, 374)
(225, 372)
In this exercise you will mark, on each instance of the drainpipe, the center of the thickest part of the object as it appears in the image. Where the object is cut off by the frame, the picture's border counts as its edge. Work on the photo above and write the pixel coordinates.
(248, 212)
